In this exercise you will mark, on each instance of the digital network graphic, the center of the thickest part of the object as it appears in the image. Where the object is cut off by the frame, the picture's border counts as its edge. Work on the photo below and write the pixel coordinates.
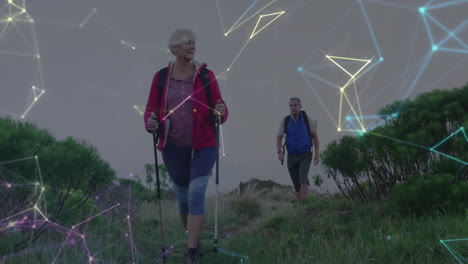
(16, 24)
(323, 73)
(332, 71)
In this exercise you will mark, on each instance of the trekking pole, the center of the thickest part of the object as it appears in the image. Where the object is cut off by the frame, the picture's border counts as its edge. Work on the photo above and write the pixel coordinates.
(283, 154)
(156, 168)
(217, 124)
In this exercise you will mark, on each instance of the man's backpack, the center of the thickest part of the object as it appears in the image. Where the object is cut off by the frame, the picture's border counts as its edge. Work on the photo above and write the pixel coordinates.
(203, 75)
(306, 121)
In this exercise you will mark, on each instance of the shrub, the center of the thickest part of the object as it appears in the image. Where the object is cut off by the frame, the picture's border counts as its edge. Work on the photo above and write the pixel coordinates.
(427, 194)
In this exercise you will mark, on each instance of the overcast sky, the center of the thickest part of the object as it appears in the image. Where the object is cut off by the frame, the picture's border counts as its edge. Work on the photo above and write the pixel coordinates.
(93, 77)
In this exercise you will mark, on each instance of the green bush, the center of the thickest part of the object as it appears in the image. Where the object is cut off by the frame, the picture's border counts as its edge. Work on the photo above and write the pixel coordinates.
(428, 194)
(246, 207)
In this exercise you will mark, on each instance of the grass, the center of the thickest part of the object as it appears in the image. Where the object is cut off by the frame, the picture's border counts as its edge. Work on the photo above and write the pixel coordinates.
(259, 227)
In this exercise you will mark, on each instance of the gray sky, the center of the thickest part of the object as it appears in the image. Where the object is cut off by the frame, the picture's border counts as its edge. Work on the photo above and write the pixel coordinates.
(92, 80)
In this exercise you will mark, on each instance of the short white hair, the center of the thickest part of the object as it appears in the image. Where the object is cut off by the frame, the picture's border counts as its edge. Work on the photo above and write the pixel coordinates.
(180, 36)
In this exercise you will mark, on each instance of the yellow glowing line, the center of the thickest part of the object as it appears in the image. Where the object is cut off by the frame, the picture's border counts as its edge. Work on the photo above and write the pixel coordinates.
(354, 111)
(11, 216)
(278, 14)
(109, 26)
(138, 109)
(127, 44)
(342, 89)
(146, 46)
(331, 58)
(346, 58)
(15, 53)
(88, 17)
(238, 54)
(321, 102)
(254, 14)
(40, 178)
(339, 66)
(36, 98)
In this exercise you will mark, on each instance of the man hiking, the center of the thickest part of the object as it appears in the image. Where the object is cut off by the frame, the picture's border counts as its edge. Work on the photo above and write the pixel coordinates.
(301, 135)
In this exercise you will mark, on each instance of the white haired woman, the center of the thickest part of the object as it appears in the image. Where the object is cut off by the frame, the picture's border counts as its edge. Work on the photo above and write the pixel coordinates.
(182, 110)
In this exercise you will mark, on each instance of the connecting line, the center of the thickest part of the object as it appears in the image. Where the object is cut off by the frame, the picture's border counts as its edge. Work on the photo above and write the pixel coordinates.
(451, 34)
(456, 2)
(379, 2)
(456, 255)
(246, 11)
(370, 29)
(233, 254)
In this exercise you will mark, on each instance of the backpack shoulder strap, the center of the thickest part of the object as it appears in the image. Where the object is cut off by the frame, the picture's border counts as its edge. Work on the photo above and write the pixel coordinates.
(161, 80)
(286, 122)
(306, 121)
(205, 79)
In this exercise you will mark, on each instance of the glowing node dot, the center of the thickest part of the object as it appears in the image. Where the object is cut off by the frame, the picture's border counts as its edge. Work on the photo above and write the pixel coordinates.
(128, 217)
(339, 129)
(73, 227)
(122, 42)
(118, 204)
(90, 258)
(36, 157)
(389, 237)
(435, 47)
(94, 9)
(194, 110)
(38, 56)
(381, 59)
(81, 25)
(299, 69)
(342, 90)
(8, 185)
(31, 20)
(9, 19)
(422, 10)
(47, 219)
(225, 34)
(348, 118)
(35, 99)
(228, 69)
(82, 236)
(133, 48)
(23, 11)
(43, 188)
(10, 1)
(22, 117)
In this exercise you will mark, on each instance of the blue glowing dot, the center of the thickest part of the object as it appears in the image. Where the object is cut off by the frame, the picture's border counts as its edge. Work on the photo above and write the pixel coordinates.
(299, 68)
(422, 10)
(389, 237)
(348, 118)
(435, 47)
(395, 114)
(381, 59)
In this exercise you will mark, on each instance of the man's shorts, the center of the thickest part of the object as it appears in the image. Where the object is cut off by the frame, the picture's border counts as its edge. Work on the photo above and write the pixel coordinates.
(298, 166)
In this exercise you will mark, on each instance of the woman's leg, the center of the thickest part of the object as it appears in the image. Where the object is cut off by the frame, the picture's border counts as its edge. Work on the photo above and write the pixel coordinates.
(200, 171)
(177, 161)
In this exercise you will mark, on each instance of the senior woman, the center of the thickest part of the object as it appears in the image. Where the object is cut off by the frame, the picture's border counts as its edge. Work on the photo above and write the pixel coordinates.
(182, 112)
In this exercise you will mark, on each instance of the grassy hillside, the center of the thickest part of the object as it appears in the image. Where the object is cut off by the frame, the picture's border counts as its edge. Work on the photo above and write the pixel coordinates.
(258, 227)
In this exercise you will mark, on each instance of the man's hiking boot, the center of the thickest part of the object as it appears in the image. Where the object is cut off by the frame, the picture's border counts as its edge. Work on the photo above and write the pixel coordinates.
(192, 257)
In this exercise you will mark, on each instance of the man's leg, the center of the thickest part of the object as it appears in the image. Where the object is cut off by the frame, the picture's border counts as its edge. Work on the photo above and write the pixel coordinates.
(293, 168)
(304, 167)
